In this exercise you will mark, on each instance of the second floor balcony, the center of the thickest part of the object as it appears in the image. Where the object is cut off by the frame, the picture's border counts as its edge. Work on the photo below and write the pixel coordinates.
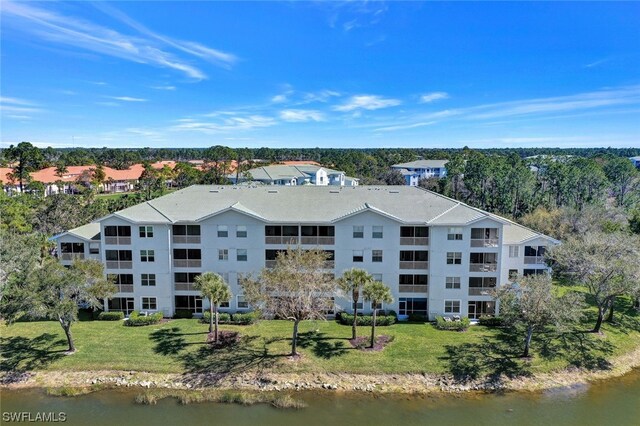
(187, 263)
(534, 260)
(414, 265)
(119, 264)
(413, 288)
(71, 256)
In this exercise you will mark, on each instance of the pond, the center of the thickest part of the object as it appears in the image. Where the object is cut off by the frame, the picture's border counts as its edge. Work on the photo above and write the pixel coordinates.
(611, 402)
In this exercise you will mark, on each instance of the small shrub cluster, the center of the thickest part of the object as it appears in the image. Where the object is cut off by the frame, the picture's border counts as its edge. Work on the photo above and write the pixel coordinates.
(183, 314)
(110, 316)
(460, 325)
(237, 318)
(489, 321)
(152, 396)
(135, 319)
(367, 320)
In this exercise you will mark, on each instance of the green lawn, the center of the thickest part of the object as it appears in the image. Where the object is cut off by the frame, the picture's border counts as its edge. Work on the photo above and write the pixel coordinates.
(179, 346)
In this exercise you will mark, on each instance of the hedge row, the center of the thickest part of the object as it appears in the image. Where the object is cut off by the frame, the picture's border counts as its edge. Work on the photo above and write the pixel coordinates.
(460, 325)
(135, 319)
(237, 318)
(489, 321)
(110, 316)
(367, 320)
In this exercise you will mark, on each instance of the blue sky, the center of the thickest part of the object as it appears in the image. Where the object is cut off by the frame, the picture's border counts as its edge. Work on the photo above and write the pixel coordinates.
(307, 74)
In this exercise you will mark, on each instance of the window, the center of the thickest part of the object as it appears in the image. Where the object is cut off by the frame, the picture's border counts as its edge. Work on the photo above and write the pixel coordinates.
(454, 258)
(358, 231)
(451, 306)
(186, 230)
(514, 251)
(94, 248)
(185, 278)
(412, 305)
(121, 304)
(192, 303)
(528, 272)
(149, 303)
(376, 307)
(452, 283)
(123, 281)
(534, 250)
(71, 251)
(484, 237)
(360, 304)
(478, 309)
(148, 279)
(241, 255)
(224, 304)
(377, 232)
(414, 231)
(513, 274)
(223, 231)
(481, 286)
(147, 256)
(187, 254)
(241, 231)
(223, 254)
(146, 231)
(117, 231)
(454, 234)
(376, 255)
(358, 256)
(241, 303)
(410, 279)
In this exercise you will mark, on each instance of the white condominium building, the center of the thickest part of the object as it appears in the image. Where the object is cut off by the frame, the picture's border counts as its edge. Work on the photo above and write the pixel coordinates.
(421, 169)
(438, 256)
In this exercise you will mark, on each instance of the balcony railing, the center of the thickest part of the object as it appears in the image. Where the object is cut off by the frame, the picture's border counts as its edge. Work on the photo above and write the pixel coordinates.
(269, 263)
(534, 260)
(484, 242)
(483, 267)
(409, 288)
(117, 241)
(319, 241)
(414, 265)
(124, 288)
(480, 291)
(291, 240)
(183, 287)
(187, 263)
(186, 239)
(414, 241)
(329, 264)
(119, 264)
(72, 256)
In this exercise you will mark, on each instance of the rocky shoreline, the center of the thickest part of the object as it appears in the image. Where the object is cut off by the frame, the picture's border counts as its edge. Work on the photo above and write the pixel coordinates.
(340, 382)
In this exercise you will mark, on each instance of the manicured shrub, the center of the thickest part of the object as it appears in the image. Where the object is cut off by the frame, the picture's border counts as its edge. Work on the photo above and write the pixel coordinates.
(489, 321)
(417, 318)
(366, 320)
(245, 318)
(135, 319)
(223, 318)
(111, 316)
(455, 325)
(183, 314)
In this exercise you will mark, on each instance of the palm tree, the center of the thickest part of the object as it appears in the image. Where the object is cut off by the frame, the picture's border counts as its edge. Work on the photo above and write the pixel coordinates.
(377, 293)
(352, 281)
(60, 170)
(213, 287)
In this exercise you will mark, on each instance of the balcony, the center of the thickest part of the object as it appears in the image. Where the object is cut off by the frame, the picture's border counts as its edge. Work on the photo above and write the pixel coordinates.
(187, 263)
(72, 256)
(414, 265)
(480, 291)
(124, 288)
(318, 241)
(119, 264)
(534, 260)
(117, 241)
(269, 263)
(409, 288)
(414, 241)
(186, 239)
(291, 240)
(483, 267)
(184, 287)
(484, 242)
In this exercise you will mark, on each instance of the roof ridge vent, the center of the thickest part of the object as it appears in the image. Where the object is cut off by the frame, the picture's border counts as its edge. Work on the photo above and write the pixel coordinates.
(272, 191)
(214, 190)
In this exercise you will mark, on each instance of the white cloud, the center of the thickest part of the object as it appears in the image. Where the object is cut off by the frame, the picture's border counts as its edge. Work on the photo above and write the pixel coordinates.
(433, 96)
(165, 87)
(404, 127)
(147, 47)
(233, 123)
(126, 98)
(368, 102)
(17, 106)
(319, 96)
(300, 115)
(278, 99)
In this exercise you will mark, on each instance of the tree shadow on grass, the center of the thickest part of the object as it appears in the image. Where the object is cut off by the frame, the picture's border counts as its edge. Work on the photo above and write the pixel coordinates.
(494, 358)
(321, 345)
(577, 348)
(170, 341)
(19, 354)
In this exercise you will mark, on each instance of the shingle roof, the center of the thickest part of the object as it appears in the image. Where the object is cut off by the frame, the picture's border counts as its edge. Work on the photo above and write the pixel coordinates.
(283, 171)
(311, 204)
(421, 164)
(90, 231)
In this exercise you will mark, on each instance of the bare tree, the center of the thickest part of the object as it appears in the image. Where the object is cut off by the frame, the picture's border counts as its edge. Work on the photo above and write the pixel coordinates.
(608, 265)
(297, 288)
(530, 304)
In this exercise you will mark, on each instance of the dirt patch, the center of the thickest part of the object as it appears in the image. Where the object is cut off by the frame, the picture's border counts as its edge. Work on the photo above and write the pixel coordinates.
(225, 339)
(364, 343)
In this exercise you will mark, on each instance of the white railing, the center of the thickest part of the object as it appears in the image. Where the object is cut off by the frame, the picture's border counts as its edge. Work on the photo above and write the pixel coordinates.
(480, 291)
(125, 288)
(186, 239)
(119, 264)
(291, 240)
(534, 260)
(410, 288)
(72, 256)
(484, 242)
(483, 267)
(183, 286)
(320, 241)
(414, 265)
(414, 241)
(187, 263)
(117, 241)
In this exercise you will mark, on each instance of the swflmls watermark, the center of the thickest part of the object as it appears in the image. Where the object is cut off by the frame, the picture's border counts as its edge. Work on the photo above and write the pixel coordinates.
(29, 417)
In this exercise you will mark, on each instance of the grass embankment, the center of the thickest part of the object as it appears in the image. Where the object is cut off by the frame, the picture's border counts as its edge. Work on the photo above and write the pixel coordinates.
(179, 346)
